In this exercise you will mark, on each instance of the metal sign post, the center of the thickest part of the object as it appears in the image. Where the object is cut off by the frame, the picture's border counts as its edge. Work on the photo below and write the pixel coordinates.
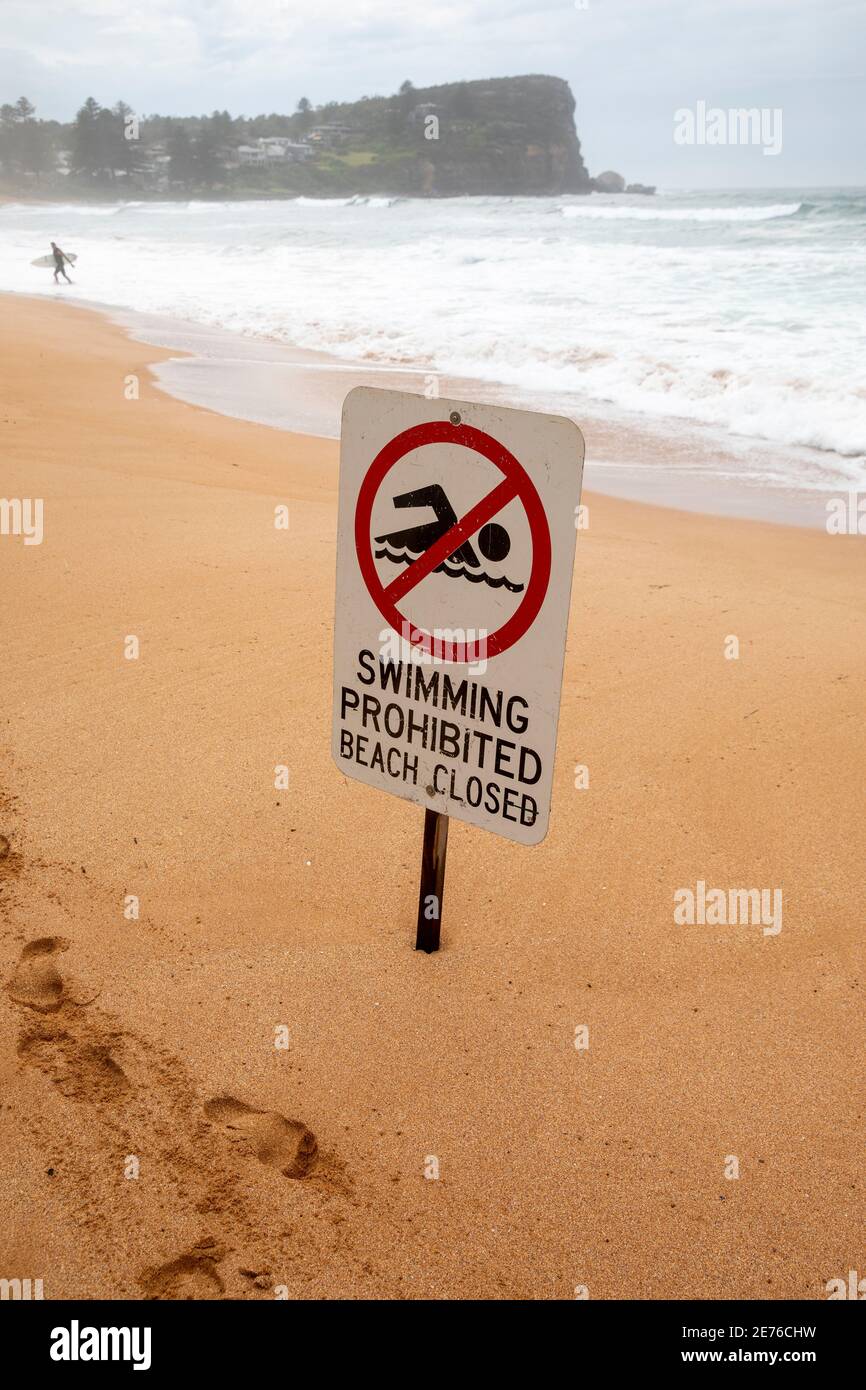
(432, 881)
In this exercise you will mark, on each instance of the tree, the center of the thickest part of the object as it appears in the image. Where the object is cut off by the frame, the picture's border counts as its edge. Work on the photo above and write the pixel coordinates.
(99, 146)
(110, 145)
(221, 126)
(463, 103)
(35, 152)
(86, 140)
(127, 154)
(400, 108)
(304, 115)
(182, 165)
(206, 162)
(25, 146)
(9, 138)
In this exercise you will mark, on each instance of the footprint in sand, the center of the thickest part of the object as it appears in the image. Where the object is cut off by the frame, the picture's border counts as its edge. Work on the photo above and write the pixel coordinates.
(192, 1276)
(283, 1144)
(79, 1069)
(37, 983)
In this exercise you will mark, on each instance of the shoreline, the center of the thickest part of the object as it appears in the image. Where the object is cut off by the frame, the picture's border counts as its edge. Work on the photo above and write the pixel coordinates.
(661, 190)
(663, 462)
(260, 909)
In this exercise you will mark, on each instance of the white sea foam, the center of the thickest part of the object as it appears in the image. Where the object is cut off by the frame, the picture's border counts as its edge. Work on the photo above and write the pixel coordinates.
(652, 214)
(743, 312)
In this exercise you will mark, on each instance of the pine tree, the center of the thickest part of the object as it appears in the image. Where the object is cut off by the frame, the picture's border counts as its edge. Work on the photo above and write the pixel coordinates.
(304, 116)
(126, 145)
(207, 166)
(25, 147)
(181, 154)
(87, 141)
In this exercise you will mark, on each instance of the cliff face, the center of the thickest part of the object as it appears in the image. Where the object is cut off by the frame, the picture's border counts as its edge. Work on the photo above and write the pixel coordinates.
(508, 135)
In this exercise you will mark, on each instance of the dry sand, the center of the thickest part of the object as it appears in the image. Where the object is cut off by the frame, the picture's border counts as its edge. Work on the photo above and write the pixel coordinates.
(155, 1038)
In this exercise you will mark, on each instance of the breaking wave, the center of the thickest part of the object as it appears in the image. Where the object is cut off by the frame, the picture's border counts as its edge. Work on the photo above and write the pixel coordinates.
(651, 214)
(741, 311)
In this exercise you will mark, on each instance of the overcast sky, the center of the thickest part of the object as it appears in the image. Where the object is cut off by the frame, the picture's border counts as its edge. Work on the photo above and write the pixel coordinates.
(631, 65)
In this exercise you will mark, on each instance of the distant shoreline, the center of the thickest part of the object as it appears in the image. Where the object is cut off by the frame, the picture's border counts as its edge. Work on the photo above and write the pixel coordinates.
(25, 198)
(289, 197)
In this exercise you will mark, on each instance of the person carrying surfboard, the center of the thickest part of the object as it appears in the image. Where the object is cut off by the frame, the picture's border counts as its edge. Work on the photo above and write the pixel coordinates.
(60, 260)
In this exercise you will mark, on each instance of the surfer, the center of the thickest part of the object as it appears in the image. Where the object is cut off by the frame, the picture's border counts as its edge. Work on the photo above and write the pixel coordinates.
(60, 261)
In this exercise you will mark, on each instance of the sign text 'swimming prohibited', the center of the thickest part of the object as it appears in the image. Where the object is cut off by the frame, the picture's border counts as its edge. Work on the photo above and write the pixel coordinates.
(454, 561)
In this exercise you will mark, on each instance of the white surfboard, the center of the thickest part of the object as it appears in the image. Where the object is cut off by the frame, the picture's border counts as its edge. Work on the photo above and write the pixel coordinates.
(48, 261)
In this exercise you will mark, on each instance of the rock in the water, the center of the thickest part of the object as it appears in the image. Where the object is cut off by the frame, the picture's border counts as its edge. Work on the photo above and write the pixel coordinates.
(609, 182)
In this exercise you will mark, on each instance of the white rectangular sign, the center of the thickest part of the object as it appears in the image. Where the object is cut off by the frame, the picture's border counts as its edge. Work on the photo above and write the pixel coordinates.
(455, 552)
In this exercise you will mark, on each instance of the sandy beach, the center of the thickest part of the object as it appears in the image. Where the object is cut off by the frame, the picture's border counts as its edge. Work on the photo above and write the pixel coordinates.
(147, 1044)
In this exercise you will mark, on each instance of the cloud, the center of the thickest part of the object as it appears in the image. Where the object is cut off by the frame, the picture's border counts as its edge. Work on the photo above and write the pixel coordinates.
(631, 63)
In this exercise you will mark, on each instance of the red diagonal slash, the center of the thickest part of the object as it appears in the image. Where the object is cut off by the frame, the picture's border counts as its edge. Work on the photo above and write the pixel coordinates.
(453, 538)
(517, 484)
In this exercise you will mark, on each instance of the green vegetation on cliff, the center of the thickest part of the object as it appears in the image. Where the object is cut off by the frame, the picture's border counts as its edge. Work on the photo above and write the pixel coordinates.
(508, 135)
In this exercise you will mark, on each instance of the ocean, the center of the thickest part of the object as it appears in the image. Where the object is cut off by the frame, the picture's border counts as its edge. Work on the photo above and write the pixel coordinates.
(738, 315)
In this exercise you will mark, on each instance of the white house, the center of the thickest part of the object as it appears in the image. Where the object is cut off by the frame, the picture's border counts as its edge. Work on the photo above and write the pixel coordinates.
(281, 147)
(250, 154)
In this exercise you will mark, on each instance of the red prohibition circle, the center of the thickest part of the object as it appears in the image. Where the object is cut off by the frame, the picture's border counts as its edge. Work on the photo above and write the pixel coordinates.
(516, 483)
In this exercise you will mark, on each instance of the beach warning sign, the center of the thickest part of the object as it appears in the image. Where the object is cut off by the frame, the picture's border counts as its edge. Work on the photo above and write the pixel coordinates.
(455, 551)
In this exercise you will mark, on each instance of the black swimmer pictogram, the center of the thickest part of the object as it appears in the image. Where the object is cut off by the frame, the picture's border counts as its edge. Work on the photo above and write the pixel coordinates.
(403, 547)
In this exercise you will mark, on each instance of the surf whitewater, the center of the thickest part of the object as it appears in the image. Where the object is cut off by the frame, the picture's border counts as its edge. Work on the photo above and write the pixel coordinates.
(742, 311)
